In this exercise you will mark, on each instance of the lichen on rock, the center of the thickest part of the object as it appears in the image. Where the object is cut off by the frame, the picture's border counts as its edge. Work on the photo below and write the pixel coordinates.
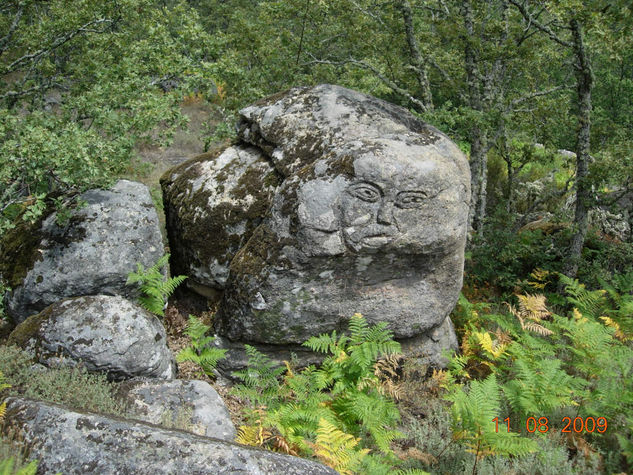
(368, 215)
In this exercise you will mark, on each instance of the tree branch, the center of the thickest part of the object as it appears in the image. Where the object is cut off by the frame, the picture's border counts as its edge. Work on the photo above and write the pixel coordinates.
(539, 26)
(527, 97)
(378, 74)
(57, 43)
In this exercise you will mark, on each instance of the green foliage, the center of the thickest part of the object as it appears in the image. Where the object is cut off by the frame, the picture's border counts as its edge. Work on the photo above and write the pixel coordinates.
(156, 287)
(7, 467)
(473, 412)
(83, 82)
(576, 366)
(73, 387)
(344, 397)
(200, 351)
(3, 290)
(502, 257)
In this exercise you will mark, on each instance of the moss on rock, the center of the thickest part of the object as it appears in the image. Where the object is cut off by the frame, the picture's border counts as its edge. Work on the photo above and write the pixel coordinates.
(29, 328)
(19, 249)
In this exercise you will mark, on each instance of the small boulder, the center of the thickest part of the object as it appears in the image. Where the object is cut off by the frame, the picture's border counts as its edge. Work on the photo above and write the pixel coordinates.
(104, 333)
(193, 406)
(213, 203)
(79, 443)
(92, 253)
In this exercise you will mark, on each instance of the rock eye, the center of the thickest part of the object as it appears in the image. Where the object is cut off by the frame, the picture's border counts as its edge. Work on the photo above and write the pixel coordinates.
(365, 192)
(410, 199)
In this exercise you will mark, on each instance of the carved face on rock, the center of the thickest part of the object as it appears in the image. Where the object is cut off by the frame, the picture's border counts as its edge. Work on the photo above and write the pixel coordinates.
(402, 198)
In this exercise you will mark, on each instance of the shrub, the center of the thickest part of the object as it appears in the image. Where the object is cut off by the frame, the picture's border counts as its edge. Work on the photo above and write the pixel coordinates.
(73, 387)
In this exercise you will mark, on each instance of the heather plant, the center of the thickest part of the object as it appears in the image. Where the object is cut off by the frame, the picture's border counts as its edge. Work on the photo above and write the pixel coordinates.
(70, 386)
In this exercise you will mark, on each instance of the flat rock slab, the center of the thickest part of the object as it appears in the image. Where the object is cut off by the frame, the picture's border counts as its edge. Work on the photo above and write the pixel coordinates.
(80, 443)
(101, 332)
(92, 253)
(193, 406)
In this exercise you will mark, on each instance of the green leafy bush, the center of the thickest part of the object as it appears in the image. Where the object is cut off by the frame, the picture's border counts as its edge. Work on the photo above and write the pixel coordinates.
(156, 287)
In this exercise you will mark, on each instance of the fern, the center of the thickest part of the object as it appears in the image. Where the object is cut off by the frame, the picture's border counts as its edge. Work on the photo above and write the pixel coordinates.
(338, 449)
(6, 467)
(531, 312)
(590, 303)
(200, 351)
(260, 383)
(155, 286)
(472, 413)
(346, 398)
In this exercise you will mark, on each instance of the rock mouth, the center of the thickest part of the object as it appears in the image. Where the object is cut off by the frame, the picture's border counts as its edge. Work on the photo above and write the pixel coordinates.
(377, 241)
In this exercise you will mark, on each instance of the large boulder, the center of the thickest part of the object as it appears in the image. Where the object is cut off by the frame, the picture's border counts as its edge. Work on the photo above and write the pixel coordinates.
(101, 332)
(193, 406)
(78, 443)
(92, 253)
(370, 216)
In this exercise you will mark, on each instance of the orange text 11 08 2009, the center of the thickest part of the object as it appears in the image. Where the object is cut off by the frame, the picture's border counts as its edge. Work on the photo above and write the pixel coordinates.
(567, 424)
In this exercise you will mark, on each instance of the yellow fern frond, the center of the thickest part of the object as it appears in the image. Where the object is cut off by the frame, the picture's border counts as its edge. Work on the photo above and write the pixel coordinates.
(533, 307)
(248, 435)
(466, 348)
(3, 410)
(540, 278)
(255, 435)
(289, 374)
(439, 377)
(342, 357)
(619, 334)
(337, 449)
(493, 347)
(578, 316)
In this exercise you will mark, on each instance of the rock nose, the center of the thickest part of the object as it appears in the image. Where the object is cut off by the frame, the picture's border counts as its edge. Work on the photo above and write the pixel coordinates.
(385, 213)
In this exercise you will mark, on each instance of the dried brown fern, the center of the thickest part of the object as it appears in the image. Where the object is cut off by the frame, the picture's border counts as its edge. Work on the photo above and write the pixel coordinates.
(386, 370)
(532, 310)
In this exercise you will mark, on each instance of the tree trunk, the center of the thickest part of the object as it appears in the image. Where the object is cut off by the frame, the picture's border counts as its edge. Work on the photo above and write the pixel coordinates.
(417, 62)
(584, 85)
(478, 139)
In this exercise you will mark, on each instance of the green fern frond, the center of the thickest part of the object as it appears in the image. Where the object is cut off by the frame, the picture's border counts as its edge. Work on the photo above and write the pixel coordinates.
(358, 328)
(200, 351)
(590, 303)
(155, 287)
(323, 343)
(6, 467)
